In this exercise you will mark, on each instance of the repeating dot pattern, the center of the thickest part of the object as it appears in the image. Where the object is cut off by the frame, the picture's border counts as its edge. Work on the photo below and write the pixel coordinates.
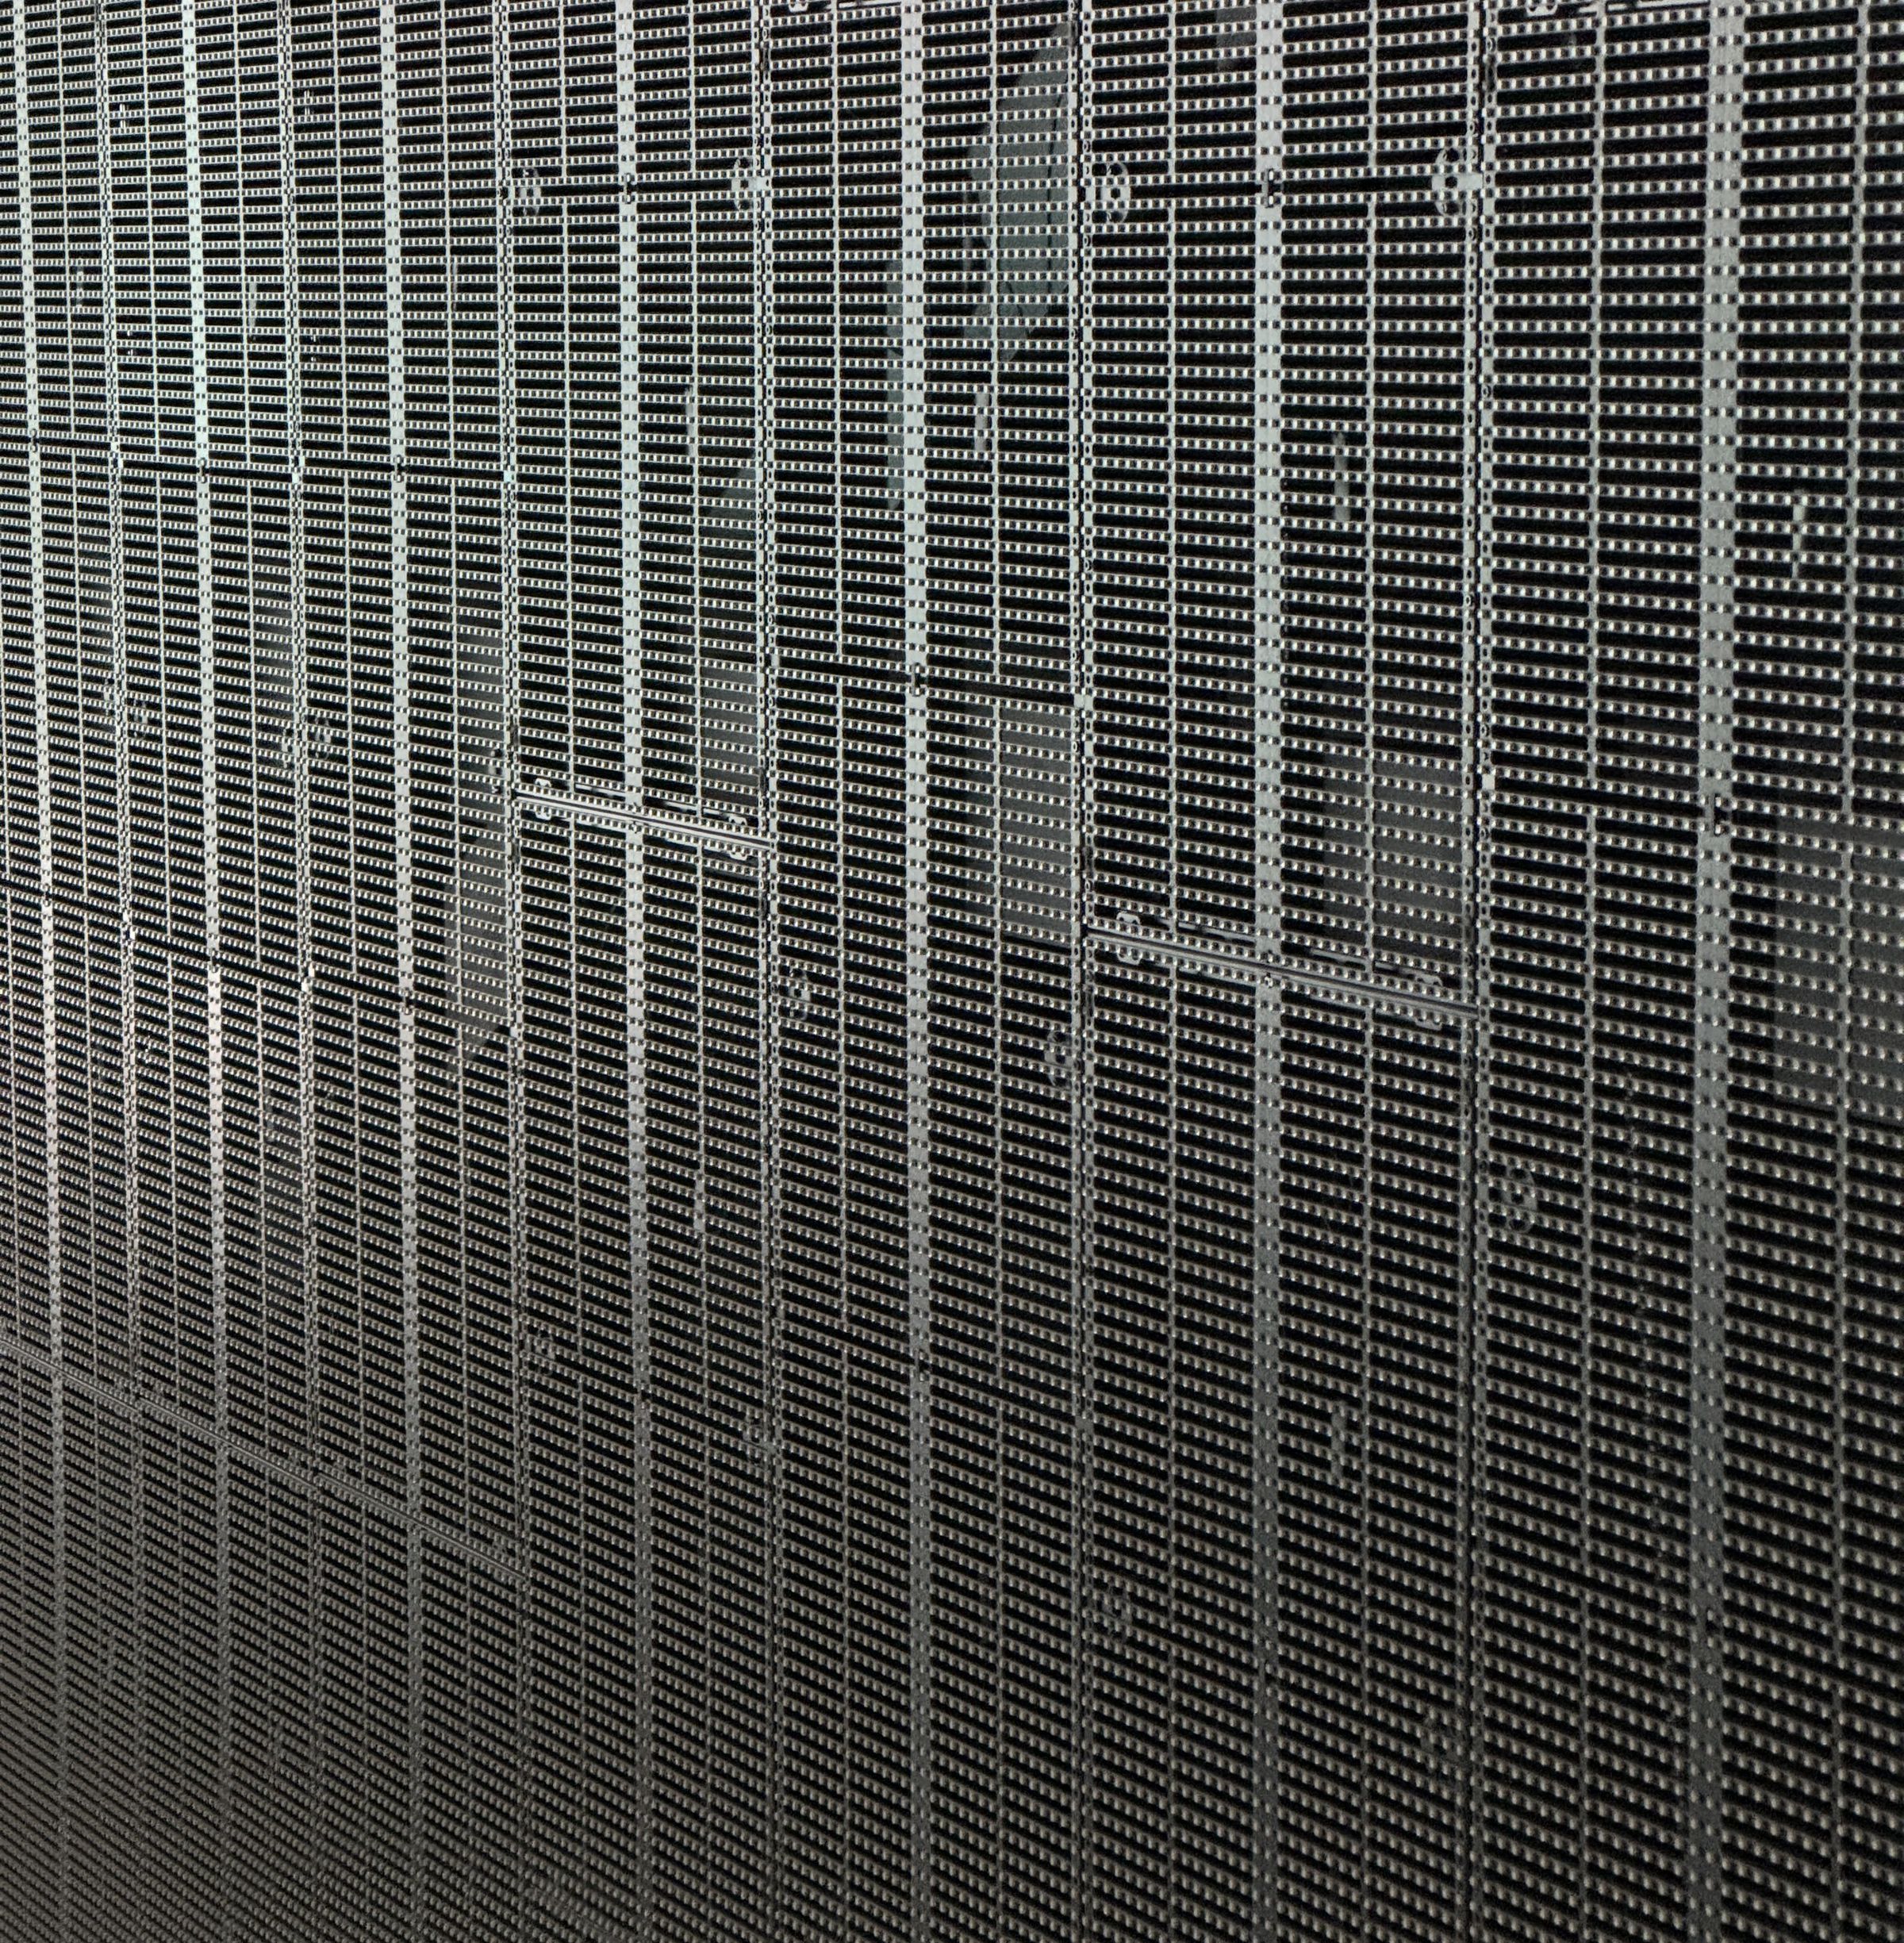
(951, 971)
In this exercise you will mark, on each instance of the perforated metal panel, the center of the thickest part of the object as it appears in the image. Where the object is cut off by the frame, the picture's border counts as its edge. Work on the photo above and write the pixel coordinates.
(951, 972)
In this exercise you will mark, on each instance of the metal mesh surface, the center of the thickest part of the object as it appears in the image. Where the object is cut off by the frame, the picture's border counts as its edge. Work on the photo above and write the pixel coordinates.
(951, 972)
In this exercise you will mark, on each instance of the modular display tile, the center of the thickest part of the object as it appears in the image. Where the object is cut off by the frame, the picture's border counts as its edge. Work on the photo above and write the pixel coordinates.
(954, 971)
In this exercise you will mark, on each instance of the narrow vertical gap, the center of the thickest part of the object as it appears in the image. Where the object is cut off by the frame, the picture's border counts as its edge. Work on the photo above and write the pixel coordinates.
(213, 924)
(1593, 1083)
(1076, 126)
(128, 1357)
(769, 1012)
(396, 431)
(1707, 1498)
(1267, 1911)
(1476, 206)
(46, 915)
(297, 727)
(512, 1539)
(1837, 1671)
(913, 270)
(988, 409)
(634, 854)
(1364, 949)
(1178, 682)
(746, 194)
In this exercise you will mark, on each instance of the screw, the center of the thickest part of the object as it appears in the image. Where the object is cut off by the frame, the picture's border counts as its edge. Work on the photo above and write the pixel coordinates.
(1057, 1056)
